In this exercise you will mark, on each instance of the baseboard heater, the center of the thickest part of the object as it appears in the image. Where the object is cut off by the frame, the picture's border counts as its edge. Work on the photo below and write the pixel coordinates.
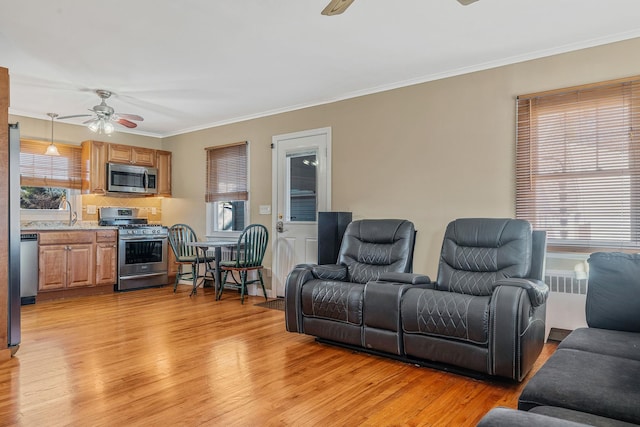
(566, 302)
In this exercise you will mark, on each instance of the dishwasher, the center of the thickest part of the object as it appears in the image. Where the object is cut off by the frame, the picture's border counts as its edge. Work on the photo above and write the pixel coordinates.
(28, 268)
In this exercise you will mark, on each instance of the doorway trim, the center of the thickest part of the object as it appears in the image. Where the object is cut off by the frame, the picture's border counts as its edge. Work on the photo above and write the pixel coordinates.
(275, 140)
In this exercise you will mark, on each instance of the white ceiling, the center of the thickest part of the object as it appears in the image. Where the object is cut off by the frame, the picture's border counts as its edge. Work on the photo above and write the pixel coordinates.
(191, 64)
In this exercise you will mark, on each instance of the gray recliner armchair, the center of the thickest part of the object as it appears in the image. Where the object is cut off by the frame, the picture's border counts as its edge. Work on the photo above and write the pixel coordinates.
(486, 310)
(326, 301)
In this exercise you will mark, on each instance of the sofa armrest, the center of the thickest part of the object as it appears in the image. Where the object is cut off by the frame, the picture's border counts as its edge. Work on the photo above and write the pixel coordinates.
(538, 291)
(330, 272)
(292, 296)
(405, 278)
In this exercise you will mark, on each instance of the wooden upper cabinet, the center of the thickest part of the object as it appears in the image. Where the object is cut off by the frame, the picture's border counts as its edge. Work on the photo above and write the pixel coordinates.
(94, 167)
(163, 163)
(96, 155)
(128, 154)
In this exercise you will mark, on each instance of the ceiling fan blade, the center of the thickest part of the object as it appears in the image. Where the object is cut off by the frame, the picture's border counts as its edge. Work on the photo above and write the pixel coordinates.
(336, 7)
(466, 2)
(129, 117)
(89, 121)
(126, 123)
(73, 116)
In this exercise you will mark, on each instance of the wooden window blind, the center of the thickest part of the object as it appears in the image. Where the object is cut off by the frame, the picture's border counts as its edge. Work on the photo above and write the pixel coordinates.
(39, 170)
(578, 165)
(227, 173)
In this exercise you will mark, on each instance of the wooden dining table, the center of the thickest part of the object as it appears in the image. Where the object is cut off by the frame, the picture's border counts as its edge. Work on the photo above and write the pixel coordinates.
(201, 258)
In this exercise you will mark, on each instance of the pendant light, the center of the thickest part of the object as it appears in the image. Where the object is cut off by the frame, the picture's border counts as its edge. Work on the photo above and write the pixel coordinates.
(52, 150)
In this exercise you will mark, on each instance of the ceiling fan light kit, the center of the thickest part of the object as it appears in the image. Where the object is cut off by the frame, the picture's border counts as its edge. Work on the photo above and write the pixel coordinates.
(105, 116)
(101, 126)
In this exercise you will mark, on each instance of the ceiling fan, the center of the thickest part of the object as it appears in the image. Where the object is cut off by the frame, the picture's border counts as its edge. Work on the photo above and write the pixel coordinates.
(105, 116)
(336, 7)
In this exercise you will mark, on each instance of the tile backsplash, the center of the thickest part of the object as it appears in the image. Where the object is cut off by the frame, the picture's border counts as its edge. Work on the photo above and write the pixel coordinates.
(151, 207)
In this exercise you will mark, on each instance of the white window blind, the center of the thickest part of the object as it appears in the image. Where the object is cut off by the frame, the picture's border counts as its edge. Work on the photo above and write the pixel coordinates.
(227, 173)
(40, 170)
(578, 165)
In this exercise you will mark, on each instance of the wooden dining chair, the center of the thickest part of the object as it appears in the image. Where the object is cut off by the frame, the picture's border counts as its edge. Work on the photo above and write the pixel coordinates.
(179, 235)
(249, 253)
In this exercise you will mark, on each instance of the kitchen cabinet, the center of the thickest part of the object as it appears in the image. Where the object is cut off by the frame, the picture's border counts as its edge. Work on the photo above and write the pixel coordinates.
(94, 169)
(128, 154)
(66, 260)
(163, 163)
(96, 155)
(106, 257)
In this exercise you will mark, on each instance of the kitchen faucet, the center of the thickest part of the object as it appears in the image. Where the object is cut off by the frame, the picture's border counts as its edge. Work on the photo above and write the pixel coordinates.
(73, 216)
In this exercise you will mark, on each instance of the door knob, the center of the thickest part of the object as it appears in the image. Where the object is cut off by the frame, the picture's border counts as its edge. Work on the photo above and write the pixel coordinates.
(279, 226)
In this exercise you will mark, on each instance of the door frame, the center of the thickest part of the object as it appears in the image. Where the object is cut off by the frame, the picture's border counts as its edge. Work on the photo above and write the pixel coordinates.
(274, 184)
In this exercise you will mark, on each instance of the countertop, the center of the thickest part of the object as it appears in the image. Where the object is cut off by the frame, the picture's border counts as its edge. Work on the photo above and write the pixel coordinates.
(63, 225)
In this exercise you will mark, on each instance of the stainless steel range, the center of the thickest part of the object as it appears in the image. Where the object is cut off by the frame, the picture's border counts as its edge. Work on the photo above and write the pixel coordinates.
(142, 248)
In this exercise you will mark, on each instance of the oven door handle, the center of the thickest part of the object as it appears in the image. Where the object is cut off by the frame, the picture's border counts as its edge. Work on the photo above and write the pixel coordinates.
(149, 237)
(138, 276)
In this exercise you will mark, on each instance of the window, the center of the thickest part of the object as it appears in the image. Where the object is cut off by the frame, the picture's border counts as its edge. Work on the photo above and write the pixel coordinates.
(578, 165)
(47, 180)
(302, 187)
(226, 188)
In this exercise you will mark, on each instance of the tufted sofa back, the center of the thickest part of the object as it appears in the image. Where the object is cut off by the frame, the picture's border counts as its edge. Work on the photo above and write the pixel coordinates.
(476, 252)
(374, 246)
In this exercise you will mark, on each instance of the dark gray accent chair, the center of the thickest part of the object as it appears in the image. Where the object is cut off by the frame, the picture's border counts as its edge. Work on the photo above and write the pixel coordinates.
(596, 370)
(327, 301)
(486, 310)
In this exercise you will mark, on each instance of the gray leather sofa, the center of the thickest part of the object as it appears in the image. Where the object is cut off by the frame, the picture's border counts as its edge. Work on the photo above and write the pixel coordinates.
(593, 376)
(485, 313)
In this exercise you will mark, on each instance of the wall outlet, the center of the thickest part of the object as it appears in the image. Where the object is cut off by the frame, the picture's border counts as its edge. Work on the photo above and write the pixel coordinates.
(154, 211)
(265, 209)
(91, 209)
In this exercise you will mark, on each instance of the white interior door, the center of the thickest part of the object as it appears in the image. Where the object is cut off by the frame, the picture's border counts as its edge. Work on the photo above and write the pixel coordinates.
(301, 188)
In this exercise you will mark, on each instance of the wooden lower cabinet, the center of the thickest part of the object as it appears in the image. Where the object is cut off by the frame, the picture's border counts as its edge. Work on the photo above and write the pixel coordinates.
(65, 266)
(76, 259)
(106, 258)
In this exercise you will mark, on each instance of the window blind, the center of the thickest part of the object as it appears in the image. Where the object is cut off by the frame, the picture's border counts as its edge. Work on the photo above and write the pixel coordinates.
(40, 170)
(578, 164)
(227, 173)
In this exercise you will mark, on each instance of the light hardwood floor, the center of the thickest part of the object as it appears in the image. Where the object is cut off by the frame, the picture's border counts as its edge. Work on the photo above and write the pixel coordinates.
(154, 358)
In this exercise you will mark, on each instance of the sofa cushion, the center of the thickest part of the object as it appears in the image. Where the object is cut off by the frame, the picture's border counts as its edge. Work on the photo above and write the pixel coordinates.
(340, 301)
(578, 417)
(478, 252)
(372, 247)
(588, 382)
(446, 314)
(604, 341)
(507, 417)
(612, 297)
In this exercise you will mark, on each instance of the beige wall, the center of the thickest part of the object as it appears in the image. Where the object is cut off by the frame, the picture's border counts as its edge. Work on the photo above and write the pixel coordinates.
(429, 153)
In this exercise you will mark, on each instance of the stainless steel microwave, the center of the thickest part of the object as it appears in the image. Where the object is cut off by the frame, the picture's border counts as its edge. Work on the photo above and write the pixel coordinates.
(131, 179)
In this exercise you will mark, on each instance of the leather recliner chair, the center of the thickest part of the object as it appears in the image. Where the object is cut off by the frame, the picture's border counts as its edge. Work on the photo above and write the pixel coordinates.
(326, 301)
(486, 310)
